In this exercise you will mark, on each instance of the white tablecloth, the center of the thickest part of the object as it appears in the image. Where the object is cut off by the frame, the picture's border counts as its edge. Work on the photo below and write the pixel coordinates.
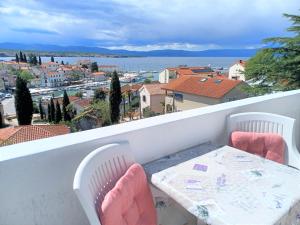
(228, 186)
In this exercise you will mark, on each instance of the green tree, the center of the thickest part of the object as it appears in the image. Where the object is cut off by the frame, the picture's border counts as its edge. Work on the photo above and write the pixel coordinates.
(79, 94)
(25, 75)
(62, 62)
(52, 59)
(147, 81)
(99, 94)
(148, 113)
(52, 110)
(94, 67)
(32, 59)
(42, 114)
(277, 67)
(17, 58)
(1, 120)
(25, 58)
(40, 60)
(115, 98)
(21, 57)
(65, 103)
(49, 114)
(58, 116)
(23, 102)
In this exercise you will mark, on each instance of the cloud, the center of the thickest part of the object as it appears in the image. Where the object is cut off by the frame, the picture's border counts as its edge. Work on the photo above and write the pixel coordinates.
(144, 24)
(33, 30)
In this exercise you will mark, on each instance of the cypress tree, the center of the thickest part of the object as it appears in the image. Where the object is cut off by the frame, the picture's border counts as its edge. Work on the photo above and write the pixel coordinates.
(52, 59)
(65, 103)
(24, 57)
(17, 58)
(115, 98)
(58, 116)
(49, 113)
(41, 109)
(40, 60)
(21, 57)
(62, 62)
(34, 60)
(23, 102)
(94, 67)
(1, 120)
(52, 110)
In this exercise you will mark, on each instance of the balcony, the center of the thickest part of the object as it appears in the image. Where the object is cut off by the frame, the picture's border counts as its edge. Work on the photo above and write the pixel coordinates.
(37, 176)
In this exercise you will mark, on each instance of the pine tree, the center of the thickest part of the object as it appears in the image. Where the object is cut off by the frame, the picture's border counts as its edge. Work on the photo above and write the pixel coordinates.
(94, 67)
(277, 67)
(25, 58)
(49, 114)
(66, 102)
(42, 114)
(115, 98)
(40, 60)
(17, 58)
(23, 102)
(52, 110)
(58, 116)
(52, 59)
(21, 57)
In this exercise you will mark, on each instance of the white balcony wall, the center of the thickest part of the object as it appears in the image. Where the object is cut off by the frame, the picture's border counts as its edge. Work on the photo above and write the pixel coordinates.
(36, 177)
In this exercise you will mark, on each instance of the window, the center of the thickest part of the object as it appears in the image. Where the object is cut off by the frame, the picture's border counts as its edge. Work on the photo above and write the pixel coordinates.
(178, 97)
(144, 98)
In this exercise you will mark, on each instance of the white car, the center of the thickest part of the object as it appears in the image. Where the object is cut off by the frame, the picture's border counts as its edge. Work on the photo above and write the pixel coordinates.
(8, 95)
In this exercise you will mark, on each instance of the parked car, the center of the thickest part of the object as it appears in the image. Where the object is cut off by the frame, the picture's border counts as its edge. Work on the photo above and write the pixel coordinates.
(8, 95)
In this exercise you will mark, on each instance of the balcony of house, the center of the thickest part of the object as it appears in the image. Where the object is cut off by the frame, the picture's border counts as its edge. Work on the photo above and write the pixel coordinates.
(37, 176)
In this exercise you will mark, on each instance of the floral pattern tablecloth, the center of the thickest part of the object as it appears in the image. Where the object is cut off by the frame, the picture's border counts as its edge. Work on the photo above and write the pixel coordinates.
(229, 186)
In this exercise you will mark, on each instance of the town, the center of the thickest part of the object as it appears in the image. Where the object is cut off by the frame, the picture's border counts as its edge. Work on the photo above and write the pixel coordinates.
(69, 98)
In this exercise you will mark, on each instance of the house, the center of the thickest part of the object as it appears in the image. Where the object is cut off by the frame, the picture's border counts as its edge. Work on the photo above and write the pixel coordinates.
(133, 88)
(152, 97)
(81, 104)
(54, 79)
(189, 92)
(172, 73)
(236, 71)
(50, 66)
(98, 76)
(18, 134)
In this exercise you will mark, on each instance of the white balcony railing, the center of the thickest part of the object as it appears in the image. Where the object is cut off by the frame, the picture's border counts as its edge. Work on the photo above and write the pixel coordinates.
(36, 177)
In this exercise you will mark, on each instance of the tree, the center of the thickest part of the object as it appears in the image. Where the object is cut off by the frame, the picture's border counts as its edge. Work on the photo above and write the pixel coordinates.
(147, 81)
(58, 116)
(62, 62)
(42, 114)
(1, 120)
(21, 57)
(23, 102)
(52, 59)
(277, 68)
(94, 67)
(52, 110)
(115, 98)
(49, 114)
(25, 75)
(40, 60)
(25, 58)
(32, 59)
(65, 103)
(99, 94)
(17, 58)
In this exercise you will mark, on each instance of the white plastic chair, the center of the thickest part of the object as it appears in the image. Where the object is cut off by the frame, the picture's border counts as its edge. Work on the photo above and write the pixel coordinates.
(98, 173)
(268, 123)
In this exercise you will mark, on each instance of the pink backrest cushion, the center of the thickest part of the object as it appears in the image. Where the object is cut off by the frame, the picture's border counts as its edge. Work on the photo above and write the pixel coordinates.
(267, 145)
(130, 201)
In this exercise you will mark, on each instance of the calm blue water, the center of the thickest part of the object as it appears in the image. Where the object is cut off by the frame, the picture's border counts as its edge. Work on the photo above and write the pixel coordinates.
(150, 63)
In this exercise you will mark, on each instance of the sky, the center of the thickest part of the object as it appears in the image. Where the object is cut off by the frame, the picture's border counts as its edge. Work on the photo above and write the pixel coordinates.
(145, 24)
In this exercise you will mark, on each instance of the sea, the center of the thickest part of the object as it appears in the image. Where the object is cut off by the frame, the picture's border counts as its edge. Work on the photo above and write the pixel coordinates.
(157, 64)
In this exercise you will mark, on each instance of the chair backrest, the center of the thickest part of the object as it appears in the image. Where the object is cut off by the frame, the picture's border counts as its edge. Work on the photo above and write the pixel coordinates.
(97, 174)
(268, 123)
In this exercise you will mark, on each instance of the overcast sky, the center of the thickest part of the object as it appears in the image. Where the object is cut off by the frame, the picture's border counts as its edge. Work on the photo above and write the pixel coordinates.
(145, 24)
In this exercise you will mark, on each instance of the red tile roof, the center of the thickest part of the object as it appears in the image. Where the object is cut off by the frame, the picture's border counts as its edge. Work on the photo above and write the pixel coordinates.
(14, 135)
(202, 86)
(133, 87)
(195, 70)
(154, 89)
(84, 102)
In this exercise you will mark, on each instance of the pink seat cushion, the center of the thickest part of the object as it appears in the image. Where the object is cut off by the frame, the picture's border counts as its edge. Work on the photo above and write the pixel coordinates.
(130, 201)
(267, 145)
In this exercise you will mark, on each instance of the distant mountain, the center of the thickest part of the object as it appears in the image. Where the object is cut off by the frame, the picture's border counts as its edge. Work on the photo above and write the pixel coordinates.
(120, 52)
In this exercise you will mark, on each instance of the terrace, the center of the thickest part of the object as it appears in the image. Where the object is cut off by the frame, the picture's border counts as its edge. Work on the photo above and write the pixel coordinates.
(37, 176)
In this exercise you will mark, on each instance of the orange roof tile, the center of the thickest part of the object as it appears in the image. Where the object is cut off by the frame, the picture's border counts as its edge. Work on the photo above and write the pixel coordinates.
(14, 135)
(203, 86)
(154, 89)
(85, 102)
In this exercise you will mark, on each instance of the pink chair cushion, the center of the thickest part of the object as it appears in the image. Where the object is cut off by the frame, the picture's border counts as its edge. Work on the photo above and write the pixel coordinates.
(267, 145)
(130, 201)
